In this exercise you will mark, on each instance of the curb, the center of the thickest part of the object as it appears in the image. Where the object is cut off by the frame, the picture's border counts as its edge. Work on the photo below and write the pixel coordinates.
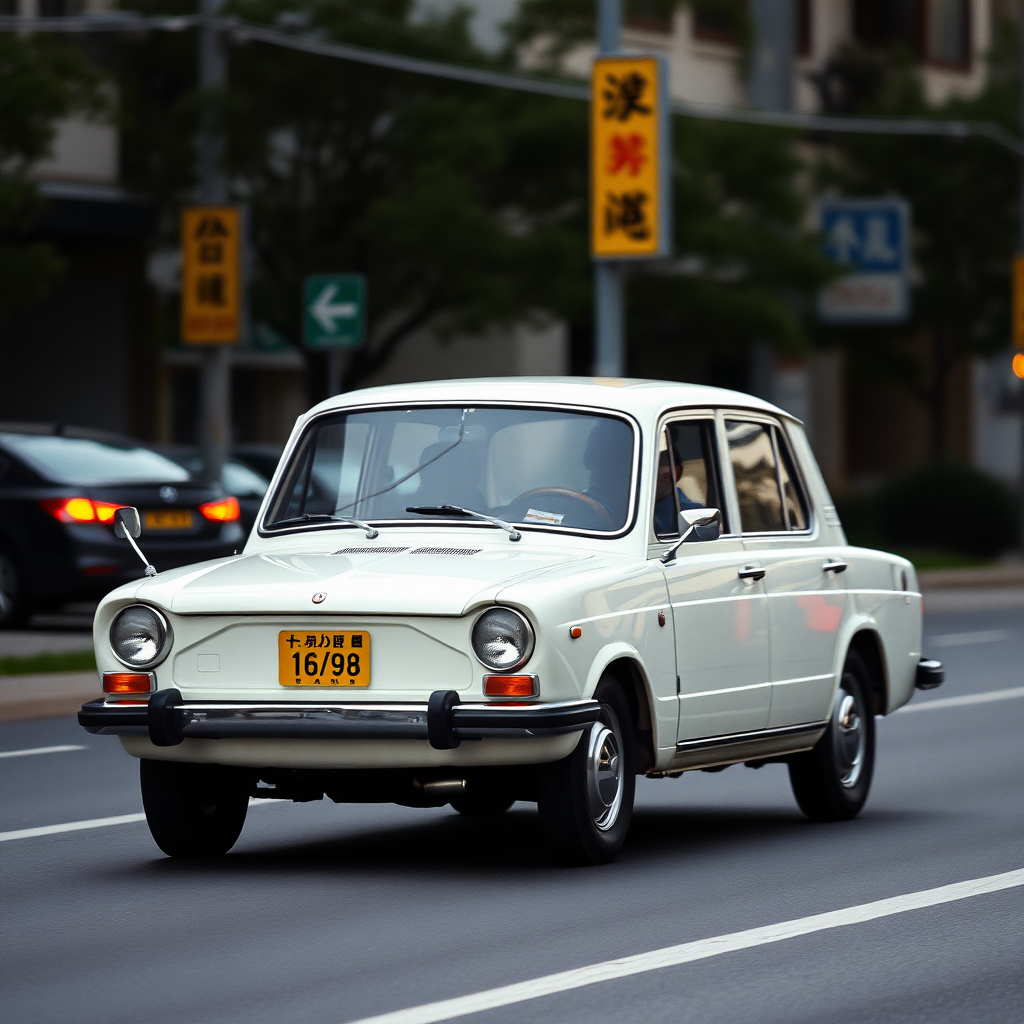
(55, 695)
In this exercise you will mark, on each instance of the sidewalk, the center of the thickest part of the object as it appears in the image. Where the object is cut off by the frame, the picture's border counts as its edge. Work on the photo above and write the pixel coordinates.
(46, 696)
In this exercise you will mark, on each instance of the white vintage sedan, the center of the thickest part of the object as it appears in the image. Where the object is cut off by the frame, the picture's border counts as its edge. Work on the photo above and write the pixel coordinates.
(481, 591)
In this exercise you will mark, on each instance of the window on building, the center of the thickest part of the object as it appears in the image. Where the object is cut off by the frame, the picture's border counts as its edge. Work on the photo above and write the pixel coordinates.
(947, 32)
(883, 23)
(712, 25)
(804, 27)
(649, 15)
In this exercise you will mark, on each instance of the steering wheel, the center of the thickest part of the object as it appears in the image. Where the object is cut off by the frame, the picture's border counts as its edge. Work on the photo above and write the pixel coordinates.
(564, 492)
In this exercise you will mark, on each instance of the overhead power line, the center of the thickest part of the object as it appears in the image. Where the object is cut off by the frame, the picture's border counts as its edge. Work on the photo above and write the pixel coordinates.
(241, 31)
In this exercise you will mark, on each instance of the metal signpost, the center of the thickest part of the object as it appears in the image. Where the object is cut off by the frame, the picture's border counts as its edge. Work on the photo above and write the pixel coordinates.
(630, 168)
(872, 236)
(334, 318)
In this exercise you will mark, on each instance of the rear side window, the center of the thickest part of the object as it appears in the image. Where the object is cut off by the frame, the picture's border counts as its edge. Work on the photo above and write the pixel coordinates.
(771, 498)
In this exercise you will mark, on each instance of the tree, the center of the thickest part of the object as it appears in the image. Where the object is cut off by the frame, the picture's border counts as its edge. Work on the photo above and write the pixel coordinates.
(463, 206)
(40, 81)
(965, 208)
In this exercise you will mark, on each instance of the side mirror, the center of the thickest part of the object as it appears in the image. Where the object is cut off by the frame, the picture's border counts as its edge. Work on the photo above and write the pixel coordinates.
(127, 522)
(705, 523)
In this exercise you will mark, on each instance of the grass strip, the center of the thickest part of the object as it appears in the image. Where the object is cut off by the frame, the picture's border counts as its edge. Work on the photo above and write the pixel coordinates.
(59, 661)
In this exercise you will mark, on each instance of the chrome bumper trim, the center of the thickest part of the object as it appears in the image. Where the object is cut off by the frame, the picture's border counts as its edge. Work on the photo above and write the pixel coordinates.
(168, 719)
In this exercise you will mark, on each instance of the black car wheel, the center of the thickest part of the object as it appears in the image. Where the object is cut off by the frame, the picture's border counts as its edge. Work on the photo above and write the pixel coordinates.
(14, 604)
(194, 810)
(831, 782)
(586, 799)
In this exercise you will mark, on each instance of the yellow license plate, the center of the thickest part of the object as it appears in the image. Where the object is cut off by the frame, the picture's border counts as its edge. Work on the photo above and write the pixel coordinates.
(323, 658)
(169, 519)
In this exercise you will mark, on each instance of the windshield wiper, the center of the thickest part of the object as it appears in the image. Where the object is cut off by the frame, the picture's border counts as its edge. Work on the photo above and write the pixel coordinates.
(455, 510)
(316, 517)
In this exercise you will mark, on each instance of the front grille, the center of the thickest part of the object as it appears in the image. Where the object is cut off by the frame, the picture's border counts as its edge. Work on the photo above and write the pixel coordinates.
(445, 551)
(369, 551)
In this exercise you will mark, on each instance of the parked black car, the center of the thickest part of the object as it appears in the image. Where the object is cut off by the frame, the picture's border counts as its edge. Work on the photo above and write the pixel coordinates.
(59, 488)
(238, 477)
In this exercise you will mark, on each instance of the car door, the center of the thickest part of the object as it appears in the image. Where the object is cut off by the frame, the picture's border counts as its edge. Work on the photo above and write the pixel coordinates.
(720, 618)
(806, 595)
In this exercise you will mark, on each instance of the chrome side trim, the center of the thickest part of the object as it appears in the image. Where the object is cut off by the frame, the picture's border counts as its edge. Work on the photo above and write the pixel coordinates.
(748, 746)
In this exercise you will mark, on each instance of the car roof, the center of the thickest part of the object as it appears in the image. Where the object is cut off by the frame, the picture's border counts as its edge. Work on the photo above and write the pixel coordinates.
(645, 399)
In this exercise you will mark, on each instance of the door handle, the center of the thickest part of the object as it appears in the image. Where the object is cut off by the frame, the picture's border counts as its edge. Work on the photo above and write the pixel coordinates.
(751, 572)
(836, 566)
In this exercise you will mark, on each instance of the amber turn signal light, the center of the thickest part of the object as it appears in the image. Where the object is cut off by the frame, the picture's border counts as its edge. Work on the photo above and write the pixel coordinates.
(510, 686)
(127, 682)
(575, 632)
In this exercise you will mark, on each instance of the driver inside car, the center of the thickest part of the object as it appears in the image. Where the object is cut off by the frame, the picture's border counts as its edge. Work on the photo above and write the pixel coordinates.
(665, 517)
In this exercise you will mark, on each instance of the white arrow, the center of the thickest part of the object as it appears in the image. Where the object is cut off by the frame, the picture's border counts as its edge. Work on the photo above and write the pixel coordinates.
(327, 313)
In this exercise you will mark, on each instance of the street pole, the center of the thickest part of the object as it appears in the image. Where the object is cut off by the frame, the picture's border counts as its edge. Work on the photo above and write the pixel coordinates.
(1020, 249)
(609, 277)
(215, 368)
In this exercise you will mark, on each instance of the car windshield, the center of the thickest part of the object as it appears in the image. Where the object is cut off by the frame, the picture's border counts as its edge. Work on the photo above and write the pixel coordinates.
(79, 460)
(524, 465)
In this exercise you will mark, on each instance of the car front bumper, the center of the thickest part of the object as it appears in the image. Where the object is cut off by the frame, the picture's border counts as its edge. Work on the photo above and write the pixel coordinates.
(167, 719)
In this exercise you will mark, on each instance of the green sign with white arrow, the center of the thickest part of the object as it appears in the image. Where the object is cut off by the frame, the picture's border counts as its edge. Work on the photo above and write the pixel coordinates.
(334, 311)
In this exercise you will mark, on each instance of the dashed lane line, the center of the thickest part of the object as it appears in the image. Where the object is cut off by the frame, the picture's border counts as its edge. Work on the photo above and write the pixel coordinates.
(688, 952)
(30, 751)
(963, 701)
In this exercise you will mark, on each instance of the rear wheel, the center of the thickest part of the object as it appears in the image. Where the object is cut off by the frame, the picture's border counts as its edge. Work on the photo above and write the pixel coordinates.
(14, 603)
(831, 782)
(194, 810)
(586, 799)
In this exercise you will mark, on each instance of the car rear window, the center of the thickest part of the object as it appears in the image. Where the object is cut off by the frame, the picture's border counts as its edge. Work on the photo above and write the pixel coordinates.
(79, 460)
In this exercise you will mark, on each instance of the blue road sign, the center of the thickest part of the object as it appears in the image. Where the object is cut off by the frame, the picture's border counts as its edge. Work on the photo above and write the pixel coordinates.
(872, 238)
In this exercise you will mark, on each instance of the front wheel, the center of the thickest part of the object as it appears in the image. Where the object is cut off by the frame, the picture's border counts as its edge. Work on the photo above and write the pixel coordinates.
(586, 799)
(194, 810)
(831, 782)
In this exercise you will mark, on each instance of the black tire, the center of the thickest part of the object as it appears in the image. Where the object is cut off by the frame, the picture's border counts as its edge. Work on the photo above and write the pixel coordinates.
(478, 803)
(586, 799)
(15, 607)
(832, 781)
(194, 810)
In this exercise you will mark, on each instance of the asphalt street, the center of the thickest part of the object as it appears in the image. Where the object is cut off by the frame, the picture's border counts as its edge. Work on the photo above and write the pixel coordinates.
(330, 913)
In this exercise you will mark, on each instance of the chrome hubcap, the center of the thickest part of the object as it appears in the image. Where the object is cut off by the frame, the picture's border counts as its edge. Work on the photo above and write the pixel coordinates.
(849, 735)
(604, 773)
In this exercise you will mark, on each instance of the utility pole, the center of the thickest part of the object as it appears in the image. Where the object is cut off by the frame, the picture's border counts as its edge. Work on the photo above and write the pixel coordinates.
(1020, 250)
(215, 368)
(609, 277)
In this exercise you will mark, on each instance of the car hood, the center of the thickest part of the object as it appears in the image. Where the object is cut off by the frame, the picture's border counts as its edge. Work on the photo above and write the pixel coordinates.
(374, 584)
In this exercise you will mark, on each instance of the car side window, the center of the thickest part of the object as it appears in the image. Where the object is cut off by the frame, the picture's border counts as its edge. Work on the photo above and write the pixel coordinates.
(688, 474)
(770, 497)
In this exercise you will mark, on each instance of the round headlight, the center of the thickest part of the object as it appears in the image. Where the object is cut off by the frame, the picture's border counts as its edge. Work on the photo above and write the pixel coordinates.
(502, 639)
(139, 636)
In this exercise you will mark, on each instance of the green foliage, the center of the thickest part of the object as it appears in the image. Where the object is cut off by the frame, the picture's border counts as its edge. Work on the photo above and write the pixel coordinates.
(937, 507)
(40, 81)
(58, 661)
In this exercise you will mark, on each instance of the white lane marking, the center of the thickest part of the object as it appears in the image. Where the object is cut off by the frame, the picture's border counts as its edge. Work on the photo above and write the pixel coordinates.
(70, 826)
(968, 698)
(78, 826)
(29, 751)
(687, 952)
(978, 636)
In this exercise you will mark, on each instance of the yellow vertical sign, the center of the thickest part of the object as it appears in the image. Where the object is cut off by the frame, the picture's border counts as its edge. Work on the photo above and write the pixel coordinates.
(1018, 302)
(210, 277)
(628, 161)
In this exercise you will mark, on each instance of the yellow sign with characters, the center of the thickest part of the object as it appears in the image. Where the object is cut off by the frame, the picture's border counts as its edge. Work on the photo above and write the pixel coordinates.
(629, 158)
(1018, 302)
(210, 277)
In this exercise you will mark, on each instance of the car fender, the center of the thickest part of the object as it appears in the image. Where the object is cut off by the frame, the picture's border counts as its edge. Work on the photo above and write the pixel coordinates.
(663, 715)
